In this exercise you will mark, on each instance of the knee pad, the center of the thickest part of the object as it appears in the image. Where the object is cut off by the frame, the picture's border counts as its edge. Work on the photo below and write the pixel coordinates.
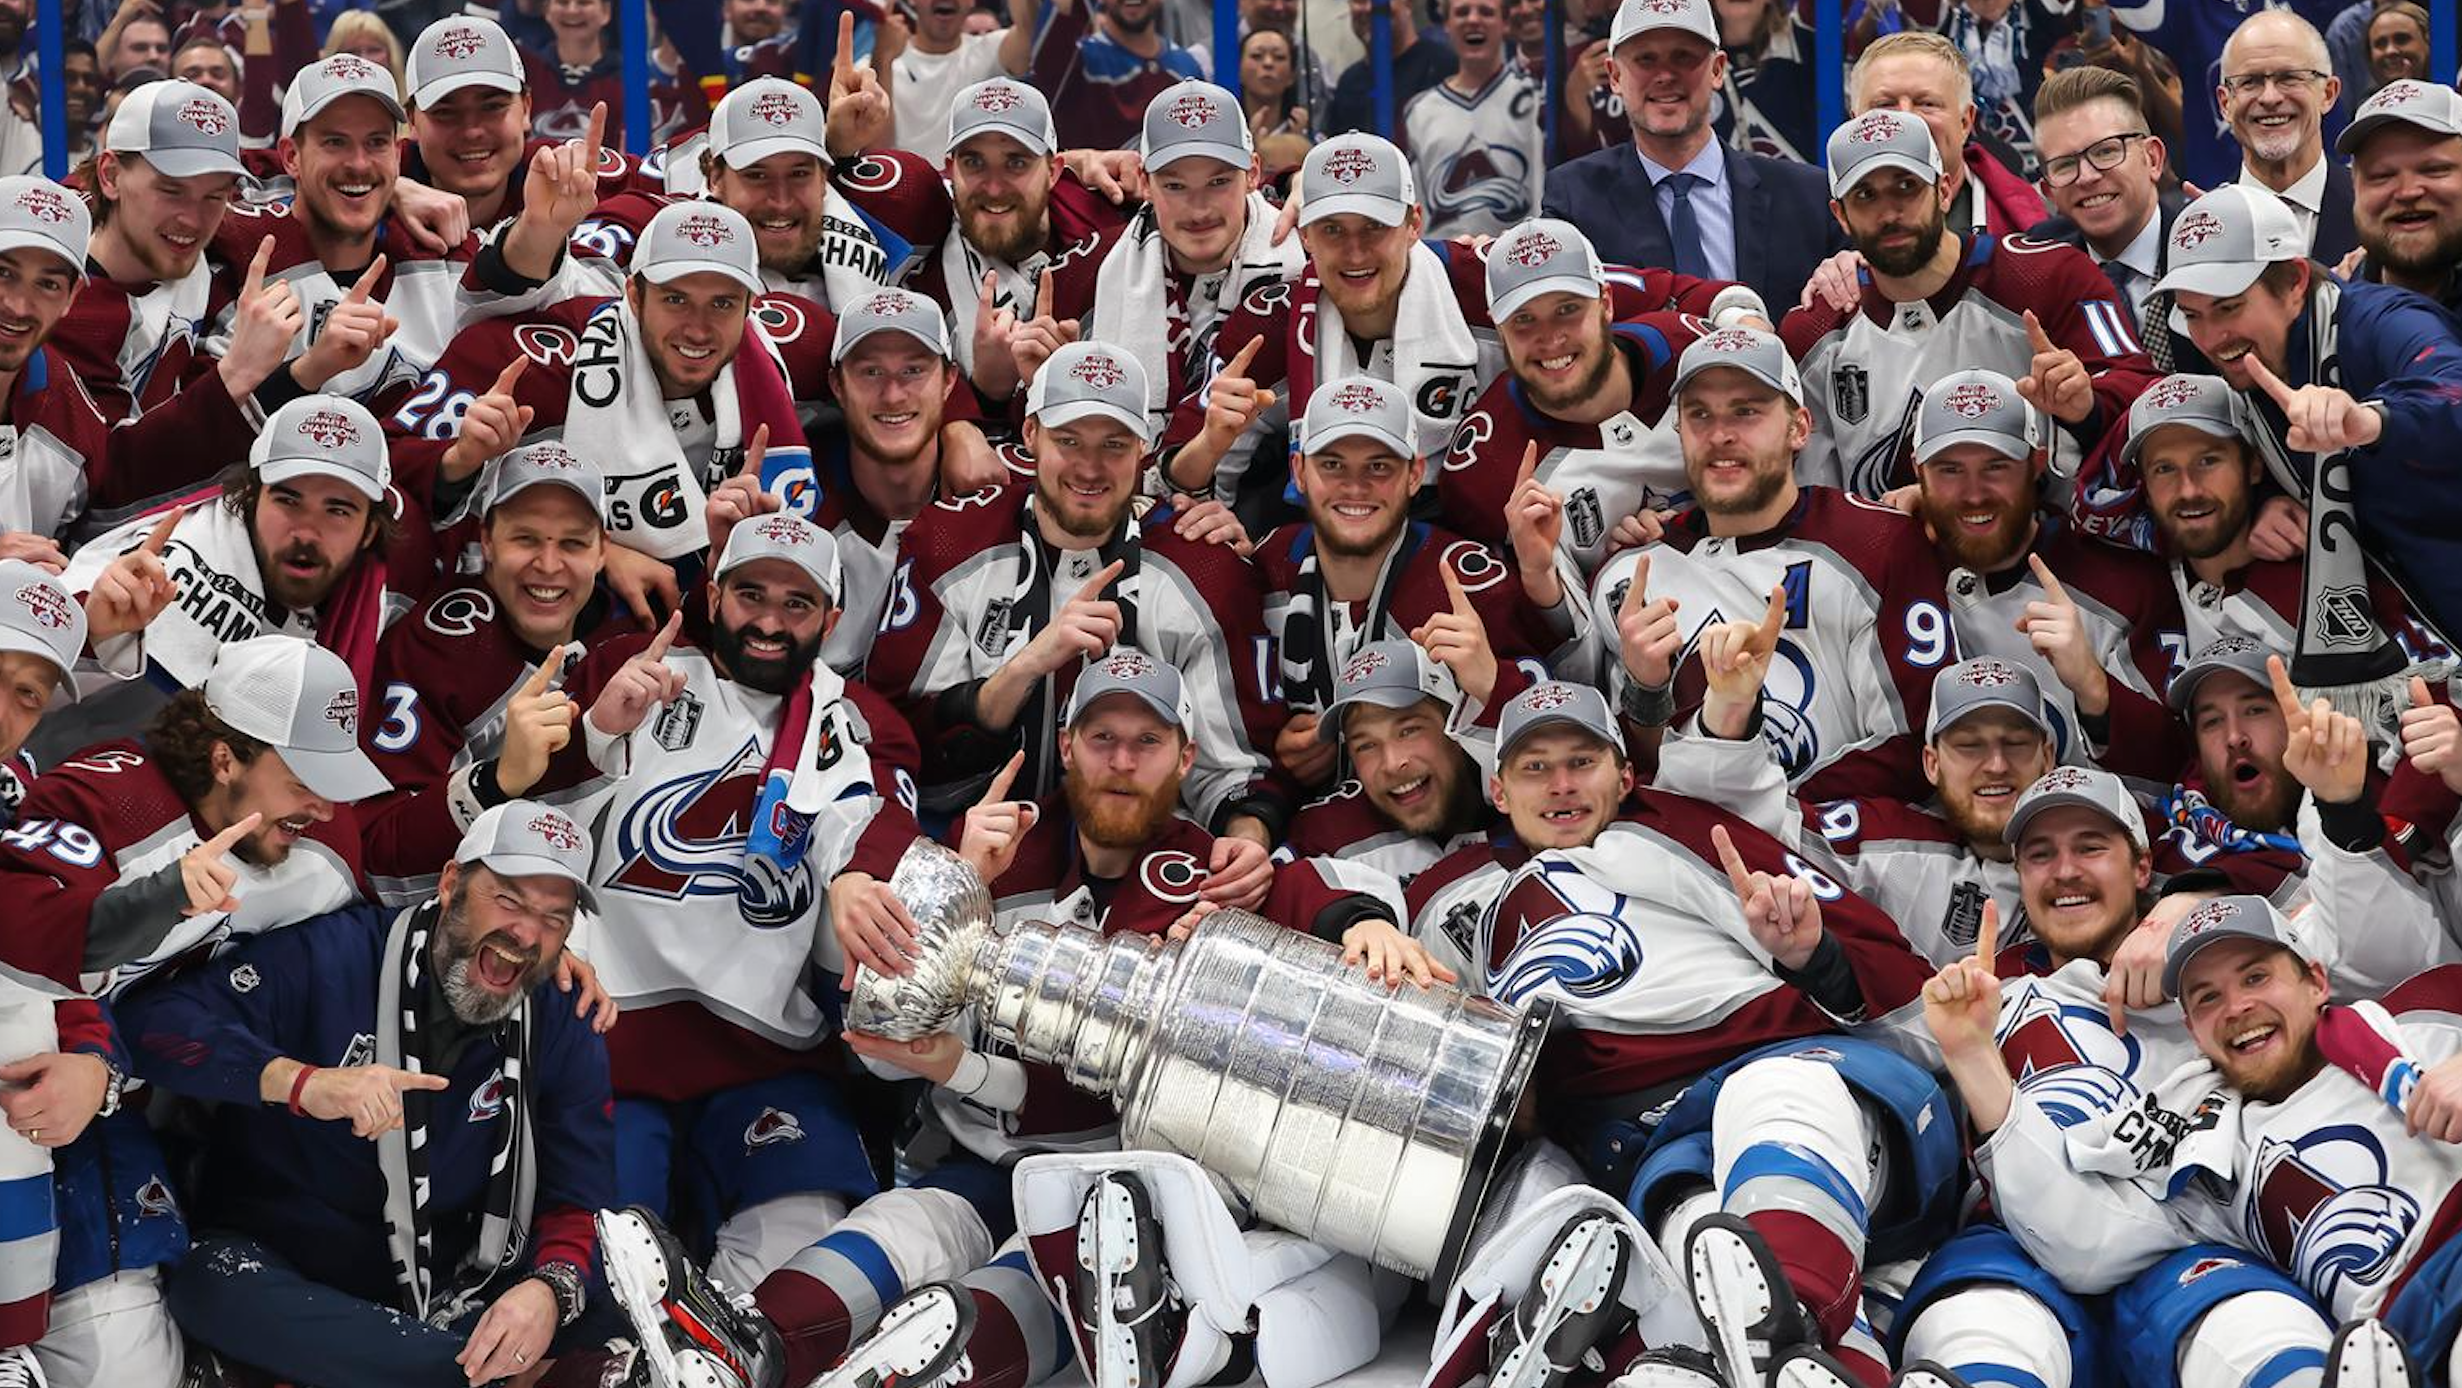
(758, 1239)
(1788, 1135)
(928, 1235)
(1983, 1325)
(2258, 1337)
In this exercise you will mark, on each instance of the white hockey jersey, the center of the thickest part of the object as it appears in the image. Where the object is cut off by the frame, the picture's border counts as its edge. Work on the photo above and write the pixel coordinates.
(1481, 159)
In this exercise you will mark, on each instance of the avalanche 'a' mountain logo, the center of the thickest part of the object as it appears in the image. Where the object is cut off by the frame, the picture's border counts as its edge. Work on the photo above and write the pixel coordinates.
(684, 838)
(1567, 933)
(2327, 1209)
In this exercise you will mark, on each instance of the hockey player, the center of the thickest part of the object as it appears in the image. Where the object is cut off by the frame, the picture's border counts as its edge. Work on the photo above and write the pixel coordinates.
(1933, 302)
(1475, 139)
(1001, 597)
(50, 424)
(412, 1132)
(1587, 393)
(468, 96)
(2098, 628)
(1918, 71)
(1864, 628)
(1360, 570)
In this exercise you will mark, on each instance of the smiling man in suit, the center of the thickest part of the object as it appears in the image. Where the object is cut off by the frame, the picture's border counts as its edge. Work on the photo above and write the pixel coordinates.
(1677, 198)
(2101, 170)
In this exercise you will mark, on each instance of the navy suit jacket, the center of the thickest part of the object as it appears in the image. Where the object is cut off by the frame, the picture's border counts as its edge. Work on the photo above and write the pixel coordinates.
(1782, 221)
(2337, 232)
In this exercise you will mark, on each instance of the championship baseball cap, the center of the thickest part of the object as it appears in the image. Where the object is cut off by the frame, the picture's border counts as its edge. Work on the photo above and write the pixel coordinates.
(1762, 356)
(2206, 404)
(324, 436)
(546, 464)
(780, 535)
(1389, 674)
(1975, 407)
(39, 616)
(2223, 241)
(523, 838)
(321, 84)
(1195, 120)
(2227, 918)
(1974, 685)
(1556, 704)
(1358, 407)
(1879, 140)
(1090, 378)
(2406, 102)
(1359, 173)
(1637, 17)
(182, 129)
(1540, 256)
(2085, 786)
(2242, 655)
(1006, 106)
(36, 212)
(301, 698)
(692, 238)
(891, 311)
(1128, 670)
(766, 116)
(462, 50)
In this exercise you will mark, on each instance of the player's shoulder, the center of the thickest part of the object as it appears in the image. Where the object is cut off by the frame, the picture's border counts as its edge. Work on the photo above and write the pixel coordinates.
(1860, 527)
(113, 788)
(1206, 564)
(1865, 824)
(1279, 554)
(949, 531)
(1334, 821)
(453, 624)
(1494, 427)
(1261, 311)
(2026, 271)
(793, 321)
(1476, 566)
(1807, 326)
(1465, 862)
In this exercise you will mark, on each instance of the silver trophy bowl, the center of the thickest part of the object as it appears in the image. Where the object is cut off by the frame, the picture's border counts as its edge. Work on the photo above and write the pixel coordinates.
(1367, 1118)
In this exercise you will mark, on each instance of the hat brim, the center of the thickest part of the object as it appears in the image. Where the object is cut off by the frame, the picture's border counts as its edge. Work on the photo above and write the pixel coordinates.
(1035, 141)
(2177, 964)
(2220, 278)
(2183, 689)
(1318, 441)
(1555, 719)
(1162, 709)
(25, 240)
(1521, 294)
(1376, 207)
(1886, 159)
(1069, 412)
(290, 469)
(846, 344)
(1793, 392)
(2031, 715)
(2010, 445)
(668, 272)
(427, 94)
(1618, 32)
(188, 163)
(2015, 832)
(308, 112)
(2136, 443)
(596, 501)
(1232, 155)
(745, 153)
(1329, 723)
(2357, 132)
(531, 865)
(343, 777)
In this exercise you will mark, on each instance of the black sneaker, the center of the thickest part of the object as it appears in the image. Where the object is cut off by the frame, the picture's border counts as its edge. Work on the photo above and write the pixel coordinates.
(1126, 1305)
(2367, 1355)
(918, 1340)
(1744, 1300)
(691, 1334)
(1571, 1307)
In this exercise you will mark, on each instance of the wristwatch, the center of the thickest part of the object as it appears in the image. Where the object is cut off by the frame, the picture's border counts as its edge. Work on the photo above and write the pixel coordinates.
(114, 1084)
(564, 1280)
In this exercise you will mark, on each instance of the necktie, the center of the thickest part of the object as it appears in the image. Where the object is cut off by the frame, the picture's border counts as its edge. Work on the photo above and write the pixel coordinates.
(1683, 229)
(2122, 277)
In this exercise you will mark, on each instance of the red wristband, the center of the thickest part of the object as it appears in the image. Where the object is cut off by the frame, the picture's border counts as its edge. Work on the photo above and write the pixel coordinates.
(298, 1083)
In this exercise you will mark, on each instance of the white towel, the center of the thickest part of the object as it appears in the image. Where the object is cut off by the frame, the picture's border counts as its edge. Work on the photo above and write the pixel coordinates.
(1132, 296)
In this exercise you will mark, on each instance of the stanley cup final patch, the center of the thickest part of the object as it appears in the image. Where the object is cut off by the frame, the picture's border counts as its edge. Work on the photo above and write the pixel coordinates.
(1850, 394)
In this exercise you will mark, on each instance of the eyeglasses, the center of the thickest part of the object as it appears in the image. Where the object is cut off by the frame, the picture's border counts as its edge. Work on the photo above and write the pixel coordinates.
(2289, 79)
(2105, 154)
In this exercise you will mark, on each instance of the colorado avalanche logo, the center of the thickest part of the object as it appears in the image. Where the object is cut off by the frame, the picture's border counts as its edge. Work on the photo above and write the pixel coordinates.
(2170, 393)
(559, 832)
(1875, 127)
(1171, 876)
(458, 43)
(330, 429)
(2195, 229)
(1348, 166)
(704, 230)
(1559, 943)
(2324, 1209)
(2067, 1059)
(684, 840)
(1098, 371)
(350, 68)
(998, 97)
(1786, 712)
(1534, 250)
(342, 710)
(1973, 400)
(487, 1101)
(46, 604)
(154, 1199)
(44, 205)
(205, 117)
(1356, 398)
(1191, 111)
(1987, 674)
(545, 343)
(1362, 665)
(771, 1127)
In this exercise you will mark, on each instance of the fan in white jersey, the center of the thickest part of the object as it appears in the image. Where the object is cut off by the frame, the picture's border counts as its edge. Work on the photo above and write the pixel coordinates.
(1476, 138)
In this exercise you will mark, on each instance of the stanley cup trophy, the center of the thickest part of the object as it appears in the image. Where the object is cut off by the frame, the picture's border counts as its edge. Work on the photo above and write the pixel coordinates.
(1365, 1118)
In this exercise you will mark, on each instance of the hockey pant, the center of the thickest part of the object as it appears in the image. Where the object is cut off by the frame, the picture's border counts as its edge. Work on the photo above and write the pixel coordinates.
(29, 1225)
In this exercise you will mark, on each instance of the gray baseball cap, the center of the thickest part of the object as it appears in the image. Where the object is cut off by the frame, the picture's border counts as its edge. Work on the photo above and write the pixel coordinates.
(180, 128)
(1973, 685)
(1879, 140)
(40, 214)
(692, 238)
(2241, 655)
(1540, 256)
(2407, 102)
(2223, 241)
(1762, 356)
(324, 436)
(1358, 407)
(321, 84)
(2206, 404)
(546, 464)
(2227, 918)
(1005, 106)
(1358, 173)
(1556, 704)
(301, 698)
(1127, 670)
(782, 536)
(39, 616)
(1195, 120)
(523, 838)
(1090, 378)
(1389, 674)
(766, 116)
(2087, 787)
(1975, 407)
(458, 51)
(891, 310)
(1637, 17)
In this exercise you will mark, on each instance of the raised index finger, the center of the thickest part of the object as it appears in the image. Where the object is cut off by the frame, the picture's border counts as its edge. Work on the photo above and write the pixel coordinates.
(367, 282)
(1007, 777)
(841, 70)
(1987, 935)
(1773, 620)
(221, 843)
(2039, 339)
(754, 452)
(2049, 580)
(1731, 860)
(1453, 590)
(598, 135)
(1042, 299)
(160, 535)
(657, 649)
(1633, 598)
(1530, 464)
(537, 683)
(1247, 354)
(1101, 580)
(2293, 711)
(256, 268)
(2267, 381)
(511, 373)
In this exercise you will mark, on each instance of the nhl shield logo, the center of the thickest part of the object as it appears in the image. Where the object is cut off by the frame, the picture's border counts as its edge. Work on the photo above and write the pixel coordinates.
(773, 1126)
(1850, 394)
(2345, 618)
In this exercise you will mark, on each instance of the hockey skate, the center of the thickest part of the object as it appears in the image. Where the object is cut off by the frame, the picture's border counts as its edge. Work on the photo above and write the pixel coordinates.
(1923, 1373)
(19, 1368)
(1810, 1368)
(918, 1340)
(1131, 1314)
(1570, 1308)
(1744, 1301)
(2367, 1355)
(1672, 1366)
(691, 1334)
